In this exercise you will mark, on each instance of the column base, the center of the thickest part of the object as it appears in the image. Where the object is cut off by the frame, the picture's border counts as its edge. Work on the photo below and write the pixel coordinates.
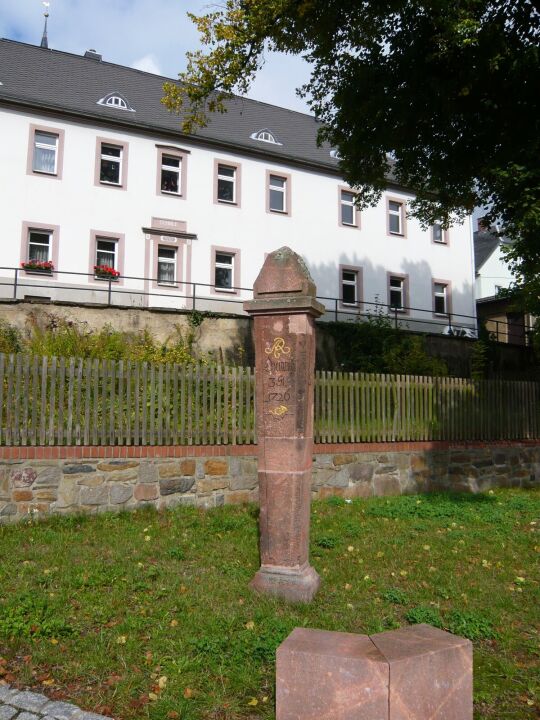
(291, 584)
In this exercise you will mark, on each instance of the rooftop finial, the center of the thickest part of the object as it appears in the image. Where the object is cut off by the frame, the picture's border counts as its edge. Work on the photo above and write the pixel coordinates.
(44, 40)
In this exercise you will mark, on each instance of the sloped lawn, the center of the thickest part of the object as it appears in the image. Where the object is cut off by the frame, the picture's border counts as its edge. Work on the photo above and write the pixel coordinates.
(148, 615)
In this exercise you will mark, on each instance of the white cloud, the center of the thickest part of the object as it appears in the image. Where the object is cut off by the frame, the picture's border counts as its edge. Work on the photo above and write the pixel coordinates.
(152, 35)
(148, 63)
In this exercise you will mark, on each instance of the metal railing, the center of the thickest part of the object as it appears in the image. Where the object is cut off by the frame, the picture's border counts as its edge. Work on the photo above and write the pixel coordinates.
(189, 296)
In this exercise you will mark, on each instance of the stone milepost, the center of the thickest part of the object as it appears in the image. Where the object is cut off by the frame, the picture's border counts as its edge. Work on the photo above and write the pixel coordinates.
(284, 310)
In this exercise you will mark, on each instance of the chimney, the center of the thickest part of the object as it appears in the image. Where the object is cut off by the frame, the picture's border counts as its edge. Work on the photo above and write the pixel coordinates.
(93, 55)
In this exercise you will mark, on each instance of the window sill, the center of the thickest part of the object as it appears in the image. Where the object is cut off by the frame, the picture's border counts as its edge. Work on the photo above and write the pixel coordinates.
(226, 291)
(44, 173)
(396, 234)
(348, 225)
(278, 212)
(174, 284)
(232, 203)
(110, 184)
(170, 193)
(106, 278)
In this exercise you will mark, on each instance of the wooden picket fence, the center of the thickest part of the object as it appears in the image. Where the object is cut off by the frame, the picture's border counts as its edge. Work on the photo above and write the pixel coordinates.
(362, 407)
(58, 401)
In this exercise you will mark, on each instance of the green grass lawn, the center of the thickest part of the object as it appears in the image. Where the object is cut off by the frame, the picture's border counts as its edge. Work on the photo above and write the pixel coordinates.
(148, 615)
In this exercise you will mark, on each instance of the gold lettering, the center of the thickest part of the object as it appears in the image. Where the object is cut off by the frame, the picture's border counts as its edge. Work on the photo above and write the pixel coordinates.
(278, 348)
(278, 411)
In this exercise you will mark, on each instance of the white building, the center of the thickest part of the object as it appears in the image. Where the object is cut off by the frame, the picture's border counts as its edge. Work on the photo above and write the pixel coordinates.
(95, 171)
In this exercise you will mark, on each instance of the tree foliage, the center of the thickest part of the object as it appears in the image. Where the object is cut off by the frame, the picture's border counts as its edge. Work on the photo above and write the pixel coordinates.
(441, 96)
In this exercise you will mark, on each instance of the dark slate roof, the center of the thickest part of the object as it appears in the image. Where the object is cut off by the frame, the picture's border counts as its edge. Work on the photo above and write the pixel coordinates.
(60, 81)
(485, 244)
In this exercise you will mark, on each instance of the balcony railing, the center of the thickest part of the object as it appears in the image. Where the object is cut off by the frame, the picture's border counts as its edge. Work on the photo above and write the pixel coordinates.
(188, 296)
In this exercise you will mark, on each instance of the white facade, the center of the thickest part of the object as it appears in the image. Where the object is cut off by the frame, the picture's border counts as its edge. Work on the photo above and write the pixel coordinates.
(493, 275)
(79, 208)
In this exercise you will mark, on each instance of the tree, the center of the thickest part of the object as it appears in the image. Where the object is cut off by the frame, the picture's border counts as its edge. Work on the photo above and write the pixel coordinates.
(442, 96)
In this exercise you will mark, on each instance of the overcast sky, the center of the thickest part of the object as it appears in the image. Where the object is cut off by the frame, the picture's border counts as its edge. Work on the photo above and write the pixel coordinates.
(151, 35)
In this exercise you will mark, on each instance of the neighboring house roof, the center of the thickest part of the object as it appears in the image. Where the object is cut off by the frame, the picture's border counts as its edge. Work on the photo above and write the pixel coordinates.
(58, 81)
(485, 244)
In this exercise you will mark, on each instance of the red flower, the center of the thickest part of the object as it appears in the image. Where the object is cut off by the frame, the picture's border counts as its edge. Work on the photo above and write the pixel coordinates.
(47, 265)
(106, 270)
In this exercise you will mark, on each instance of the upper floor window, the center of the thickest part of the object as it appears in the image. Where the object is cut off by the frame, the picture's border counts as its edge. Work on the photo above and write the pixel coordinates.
(110, 169)
(397, 292)
(350, 286)
(440, 298)
(278, 193)
(45, 151)
(166, 265)
(39, 246)
(106, 253)
(347, 209)
(439, 234)
(396, 217)
(226, 183)
(171, 168)
(111, 163)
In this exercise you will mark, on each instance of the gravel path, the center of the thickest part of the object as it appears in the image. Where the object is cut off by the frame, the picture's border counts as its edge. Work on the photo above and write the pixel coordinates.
(25, 705)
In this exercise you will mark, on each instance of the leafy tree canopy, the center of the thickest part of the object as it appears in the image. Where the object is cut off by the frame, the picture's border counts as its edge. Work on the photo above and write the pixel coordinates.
(442, 96)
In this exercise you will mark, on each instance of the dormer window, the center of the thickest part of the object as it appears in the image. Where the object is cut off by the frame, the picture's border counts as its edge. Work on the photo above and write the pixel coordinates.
(265, 136)
(335, 154)
(115, 100)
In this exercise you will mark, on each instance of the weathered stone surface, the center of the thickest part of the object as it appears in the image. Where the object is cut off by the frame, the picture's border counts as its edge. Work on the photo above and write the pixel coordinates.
(216, 467)
(345, 459)
(123, 476)
(115, 465)
(120, 494)
(21, 495)
(78, 468)
(326, 492)
(95, 496)
(61, 710)
(359, 490)
(361, 472)
(209, 484)
(168, 486)
(385, 469)
(46, 495)
(7, 712)
(242, 482)
(7, 509)
(323, 675)
(23, 478)
(68, 494)
(5, 486)
(26, 700)
(419, 463)
(49, 477)
(89, 480)
(145, 491)
(386, 485)
(430, 673)
(238, 497)
(148, 473)
(177, 469)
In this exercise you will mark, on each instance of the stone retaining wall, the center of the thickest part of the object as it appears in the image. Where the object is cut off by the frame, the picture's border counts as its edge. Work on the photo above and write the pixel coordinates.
(35, 482)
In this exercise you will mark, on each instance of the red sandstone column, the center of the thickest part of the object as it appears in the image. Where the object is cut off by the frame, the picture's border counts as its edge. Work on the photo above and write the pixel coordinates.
(284, 309)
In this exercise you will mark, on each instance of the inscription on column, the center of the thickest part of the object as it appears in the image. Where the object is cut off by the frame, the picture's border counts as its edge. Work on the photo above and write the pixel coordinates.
(279, 382)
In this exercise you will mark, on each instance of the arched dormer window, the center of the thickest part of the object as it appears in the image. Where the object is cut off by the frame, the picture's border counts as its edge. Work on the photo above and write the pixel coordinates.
(335, 154)
(116, 100)
(266, 136)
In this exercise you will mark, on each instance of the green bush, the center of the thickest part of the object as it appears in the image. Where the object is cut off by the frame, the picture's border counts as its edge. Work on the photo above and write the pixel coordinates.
(375, 345)
(53, 336)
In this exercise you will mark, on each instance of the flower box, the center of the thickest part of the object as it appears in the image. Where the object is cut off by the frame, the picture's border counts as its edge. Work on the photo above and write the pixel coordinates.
(45, 267)
(105, 272)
